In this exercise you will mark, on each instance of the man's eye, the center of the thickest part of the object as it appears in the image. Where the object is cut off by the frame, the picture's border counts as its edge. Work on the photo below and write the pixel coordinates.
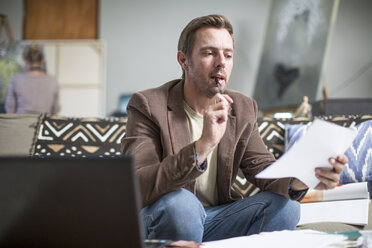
(229, 56)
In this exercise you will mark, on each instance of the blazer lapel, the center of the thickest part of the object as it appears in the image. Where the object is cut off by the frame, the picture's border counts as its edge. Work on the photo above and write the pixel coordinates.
(177, 122)
(225, 155)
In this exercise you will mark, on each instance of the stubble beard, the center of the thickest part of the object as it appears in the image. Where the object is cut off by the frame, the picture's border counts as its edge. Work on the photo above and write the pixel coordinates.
(209, 91)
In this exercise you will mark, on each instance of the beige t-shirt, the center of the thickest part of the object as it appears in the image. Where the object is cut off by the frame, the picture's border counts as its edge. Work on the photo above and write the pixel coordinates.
(206, 188)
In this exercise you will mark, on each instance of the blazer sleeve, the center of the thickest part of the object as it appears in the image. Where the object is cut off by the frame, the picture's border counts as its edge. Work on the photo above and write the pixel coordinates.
(157, 175)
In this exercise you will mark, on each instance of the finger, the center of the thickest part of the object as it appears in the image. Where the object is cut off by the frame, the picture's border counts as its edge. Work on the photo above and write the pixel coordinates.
(217, 112)
(222, 98)
(221, 115)
(228, 98)
(337, 165)
(342, 159)
(325, 183)
(329, 178)
(221, 104)
(329, 174)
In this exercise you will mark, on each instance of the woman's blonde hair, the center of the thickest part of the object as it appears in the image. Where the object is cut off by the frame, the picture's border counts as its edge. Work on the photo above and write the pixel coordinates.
(33, 54)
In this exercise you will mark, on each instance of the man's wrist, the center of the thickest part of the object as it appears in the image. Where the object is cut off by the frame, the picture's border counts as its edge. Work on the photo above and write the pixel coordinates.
(293, 193)
(203, 166)
(298, 185)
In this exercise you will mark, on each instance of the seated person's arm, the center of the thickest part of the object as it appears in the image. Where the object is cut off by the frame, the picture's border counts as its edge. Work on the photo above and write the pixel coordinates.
(158, 173)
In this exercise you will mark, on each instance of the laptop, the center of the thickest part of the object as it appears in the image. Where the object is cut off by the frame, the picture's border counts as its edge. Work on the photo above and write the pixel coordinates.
(69, 202)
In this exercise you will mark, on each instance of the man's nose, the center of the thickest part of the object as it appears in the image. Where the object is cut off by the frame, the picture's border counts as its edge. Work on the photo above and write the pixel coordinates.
(221, 60)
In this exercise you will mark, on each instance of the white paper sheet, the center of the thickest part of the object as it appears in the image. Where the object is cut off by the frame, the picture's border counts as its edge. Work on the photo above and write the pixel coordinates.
(281, 239)
(322, 141)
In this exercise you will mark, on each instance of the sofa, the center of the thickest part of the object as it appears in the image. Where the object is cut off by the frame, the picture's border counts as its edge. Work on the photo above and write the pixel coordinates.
(53, 135)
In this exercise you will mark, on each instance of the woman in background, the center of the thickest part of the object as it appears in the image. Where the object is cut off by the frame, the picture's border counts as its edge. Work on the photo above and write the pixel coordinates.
(33, 91)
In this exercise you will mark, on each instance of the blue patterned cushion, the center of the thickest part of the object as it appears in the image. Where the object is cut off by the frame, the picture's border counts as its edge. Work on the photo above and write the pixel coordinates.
(293, 133)
(359, 168)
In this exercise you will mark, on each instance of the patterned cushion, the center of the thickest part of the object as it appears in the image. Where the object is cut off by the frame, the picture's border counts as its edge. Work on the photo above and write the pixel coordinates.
(359, 168)
(293, 132)
(78, 137)
(273, 134)
(62, 136)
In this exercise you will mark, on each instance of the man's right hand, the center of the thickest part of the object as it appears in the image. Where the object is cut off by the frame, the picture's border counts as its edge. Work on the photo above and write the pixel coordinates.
(214, 125)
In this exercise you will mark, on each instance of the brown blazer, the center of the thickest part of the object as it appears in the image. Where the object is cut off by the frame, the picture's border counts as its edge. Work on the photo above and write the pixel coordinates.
(157, 136)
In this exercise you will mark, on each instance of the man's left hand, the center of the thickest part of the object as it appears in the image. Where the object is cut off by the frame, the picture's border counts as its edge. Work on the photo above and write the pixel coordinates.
(328, 178)
(331, 178)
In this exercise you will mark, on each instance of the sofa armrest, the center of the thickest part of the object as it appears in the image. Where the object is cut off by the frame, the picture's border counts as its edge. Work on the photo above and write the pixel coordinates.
(17, 132)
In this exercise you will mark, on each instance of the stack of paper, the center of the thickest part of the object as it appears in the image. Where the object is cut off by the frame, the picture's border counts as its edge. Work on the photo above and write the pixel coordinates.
(347, 203)
(282, 239)
(350, 191)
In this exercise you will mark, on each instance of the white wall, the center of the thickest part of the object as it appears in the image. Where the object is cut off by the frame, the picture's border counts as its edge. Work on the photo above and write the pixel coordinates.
(142, 36)
(350, 51)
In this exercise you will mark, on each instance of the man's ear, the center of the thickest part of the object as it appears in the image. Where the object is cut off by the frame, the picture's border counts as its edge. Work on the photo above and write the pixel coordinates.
(182, 60)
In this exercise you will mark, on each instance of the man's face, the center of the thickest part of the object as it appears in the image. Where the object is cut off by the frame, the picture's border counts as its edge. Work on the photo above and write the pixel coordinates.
(211, 58)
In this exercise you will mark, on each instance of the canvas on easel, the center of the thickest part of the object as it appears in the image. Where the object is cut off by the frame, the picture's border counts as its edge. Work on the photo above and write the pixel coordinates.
(10, 59)
(293, 53)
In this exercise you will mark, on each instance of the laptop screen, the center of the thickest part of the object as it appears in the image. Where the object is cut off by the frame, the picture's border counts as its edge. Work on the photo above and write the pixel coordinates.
(123, 102)
(69, 202)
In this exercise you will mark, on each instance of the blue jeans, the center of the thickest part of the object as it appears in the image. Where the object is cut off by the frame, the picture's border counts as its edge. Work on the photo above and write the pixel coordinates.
(179, 215)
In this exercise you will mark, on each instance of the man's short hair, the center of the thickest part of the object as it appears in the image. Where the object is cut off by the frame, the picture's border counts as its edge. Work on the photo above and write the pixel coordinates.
(187, 38)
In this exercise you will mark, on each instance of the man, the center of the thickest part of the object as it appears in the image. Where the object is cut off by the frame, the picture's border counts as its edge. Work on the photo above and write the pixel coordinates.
(189, 140)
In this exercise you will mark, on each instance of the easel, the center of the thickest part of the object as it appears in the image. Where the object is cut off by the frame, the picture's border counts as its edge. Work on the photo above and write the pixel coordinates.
(4, 22)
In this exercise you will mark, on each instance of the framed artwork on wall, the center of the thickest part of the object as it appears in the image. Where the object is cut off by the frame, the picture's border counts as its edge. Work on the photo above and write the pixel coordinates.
(293, 53)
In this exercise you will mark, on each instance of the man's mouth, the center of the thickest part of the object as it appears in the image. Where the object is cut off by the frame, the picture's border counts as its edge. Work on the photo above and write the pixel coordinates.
(218, 78)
